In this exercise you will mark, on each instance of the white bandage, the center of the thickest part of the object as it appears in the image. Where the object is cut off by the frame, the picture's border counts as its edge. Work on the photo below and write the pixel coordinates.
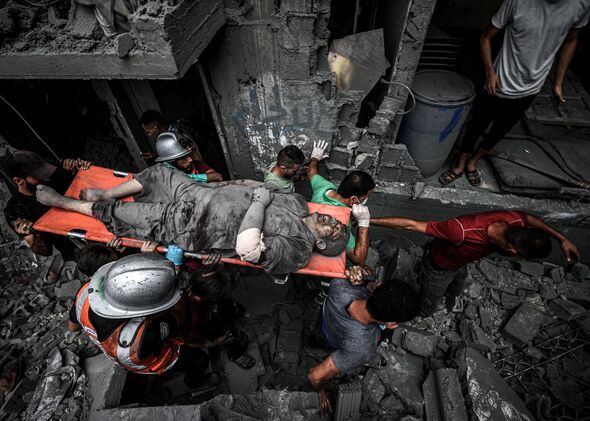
(249, 245)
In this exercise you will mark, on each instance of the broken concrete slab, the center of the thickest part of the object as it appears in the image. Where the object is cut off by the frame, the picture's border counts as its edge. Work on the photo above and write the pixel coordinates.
(403, 376)
(506, 280)
(475, 337)
(525, 322)
(443, 399)
(531, 268)
(580, 271)
(565, 309)
(67, 290)
(488, 397)
(419, 342)
(105, 383)
(373, 389)
(578, 292)
(84, 23)
(125, 44)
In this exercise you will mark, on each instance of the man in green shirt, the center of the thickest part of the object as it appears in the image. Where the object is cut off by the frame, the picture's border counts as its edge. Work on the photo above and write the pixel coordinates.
(353, 192)
(282, 173)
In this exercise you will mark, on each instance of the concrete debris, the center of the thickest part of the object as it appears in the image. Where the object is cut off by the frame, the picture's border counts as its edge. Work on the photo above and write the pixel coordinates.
(84, 23)
(105, 383)
(488, 397)
(578, 292)
(68, 290)
(475, 337)
(289, 340)
(531, 268)
(348, 402)
(372, 388)
(565, 309)
(125, 44)
(443, 399)
(580, 271)
(418, 342)
(403, 376)
(525, 323)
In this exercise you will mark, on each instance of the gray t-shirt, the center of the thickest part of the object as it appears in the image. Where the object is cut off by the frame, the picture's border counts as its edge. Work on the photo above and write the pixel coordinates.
(534, 32)
(355, 343)
(202, 217)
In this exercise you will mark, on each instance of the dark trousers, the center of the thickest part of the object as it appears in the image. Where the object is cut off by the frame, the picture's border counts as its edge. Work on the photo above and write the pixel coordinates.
(503, 113)
(436, 283)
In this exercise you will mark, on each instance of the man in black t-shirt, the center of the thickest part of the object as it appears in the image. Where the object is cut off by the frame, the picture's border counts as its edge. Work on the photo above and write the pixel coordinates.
(26, 170)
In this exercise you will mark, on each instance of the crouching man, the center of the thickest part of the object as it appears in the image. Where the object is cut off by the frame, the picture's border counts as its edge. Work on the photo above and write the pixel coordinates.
(136, 312)
(352, 321)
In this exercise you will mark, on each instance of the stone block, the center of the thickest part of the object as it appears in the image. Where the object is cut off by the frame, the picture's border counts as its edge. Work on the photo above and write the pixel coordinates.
(340, 156)
(363, 161)
(337, 172)
(479, 339)
(378, 126)
(373, 389)
(578, 292)
(506, 280)
(525, 322)
(531, 268)
(349, 134)
(84, 22)
(403, 375)
(394, 154)
(488, 396)
(409, 174)
(67, 290)
(443, 399)
(389, 173)
(580, 271)
(125, 44)
(565, 309)
(486, 317)
(419, 342)
(105, 383)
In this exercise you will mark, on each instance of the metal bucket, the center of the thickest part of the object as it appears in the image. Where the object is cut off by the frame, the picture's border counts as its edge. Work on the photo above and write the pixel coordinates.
(430, 130)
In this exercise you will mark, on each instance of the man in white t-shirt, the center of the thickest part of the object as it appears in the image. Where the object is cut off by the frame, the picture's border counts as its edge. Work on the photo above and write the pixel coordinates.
(535, 31)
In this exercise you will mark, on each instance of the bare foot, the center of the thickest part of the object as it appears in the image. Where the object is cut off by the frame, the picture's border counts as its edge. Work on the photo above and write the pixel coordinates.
(92, 195)
(49, 197)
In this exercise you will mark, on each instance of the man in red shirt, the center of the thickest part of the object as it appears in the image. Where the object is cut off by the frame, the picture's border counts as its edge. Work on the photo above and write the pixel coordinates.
(468, 238)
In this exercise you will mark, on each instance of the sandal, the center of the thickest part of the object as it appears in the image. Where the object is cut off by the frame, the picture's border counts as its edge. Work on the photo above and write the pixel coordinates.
(244, 361)
(448, 177)
(473, 177)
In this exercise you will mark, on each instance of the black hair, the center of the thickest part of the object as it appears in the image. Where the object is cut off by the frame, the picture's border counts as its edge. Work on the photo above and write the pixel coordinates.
(356, 183)
(210, 284)
(529, 243)
(290, 155)
(337, 246)
(11, 167)
(393, 301)
(152, 116)
(93, 256)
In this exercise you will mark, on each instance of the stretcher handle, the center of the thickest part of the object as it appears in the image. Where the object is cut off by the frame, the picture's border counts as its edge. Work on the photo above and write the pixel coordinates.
(131, 242)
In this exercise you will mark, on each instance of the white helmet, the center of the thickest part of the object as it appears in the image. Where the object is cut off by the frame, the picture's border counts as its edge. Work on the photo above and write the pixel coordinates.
(136, 285)
(168, 147)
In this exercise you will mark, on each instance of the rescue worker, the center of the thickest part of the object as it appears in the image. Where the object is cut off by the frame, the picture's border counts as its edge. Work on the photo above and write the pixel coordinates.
(175, 156)
(282, 173)
(133, 310)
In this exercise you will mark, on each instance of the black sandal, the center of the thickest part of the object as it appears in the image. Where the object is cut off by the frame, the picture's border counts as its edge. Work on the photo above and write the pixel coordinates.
(244, 361)
(473, 177)
(449, 176)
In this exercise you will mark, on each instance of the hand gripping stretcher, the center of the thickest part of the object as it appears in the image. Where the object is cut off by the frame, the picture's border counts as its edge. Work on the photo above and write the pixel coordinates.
(75, 225)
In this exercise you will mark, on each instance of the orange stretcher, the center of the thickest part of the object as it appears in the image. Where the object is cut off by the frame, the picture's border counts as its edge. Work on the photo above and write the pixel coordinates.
(75, 225)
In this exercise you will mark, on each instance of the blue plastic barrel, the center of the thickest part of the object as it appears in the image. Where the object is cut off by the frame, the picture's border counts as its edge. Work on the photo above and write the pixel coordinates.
(430, 130)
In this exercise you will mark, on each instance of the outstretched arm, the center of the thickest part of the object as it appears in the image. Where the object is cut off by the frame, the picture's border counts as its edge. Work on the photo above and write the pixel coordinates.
(400, 223)
(566, 54)
(569, 249)
(249, 245)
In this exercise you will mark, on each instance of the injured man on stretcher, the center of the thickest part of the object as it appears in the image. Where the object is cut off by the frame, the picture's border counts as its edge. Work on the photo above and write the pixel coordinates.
(273, 230)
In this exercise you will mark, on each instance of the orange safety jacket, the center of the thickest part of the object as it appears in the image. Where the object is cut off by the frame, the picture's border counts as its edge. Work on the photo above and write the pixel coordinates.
(123, 344)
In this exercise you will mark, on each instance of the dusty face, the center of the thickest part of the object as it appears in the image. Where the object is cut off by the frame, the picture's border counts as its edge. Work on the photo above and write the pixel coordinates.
(289, 171)
(152, 130)
(328, 227)
(184, 163)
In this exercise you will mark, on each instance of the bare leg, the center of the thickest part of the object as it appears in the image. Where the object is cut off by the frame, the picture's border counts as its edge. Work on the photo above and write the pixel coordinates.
(472, 163)
(49, 197)
(128, 188)
(462, 162)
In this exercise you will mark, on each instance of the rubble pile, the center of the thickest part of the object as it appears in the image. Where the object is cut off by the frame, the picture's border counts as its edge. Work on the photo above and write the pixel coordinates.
(513, 346)
(34, 340)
